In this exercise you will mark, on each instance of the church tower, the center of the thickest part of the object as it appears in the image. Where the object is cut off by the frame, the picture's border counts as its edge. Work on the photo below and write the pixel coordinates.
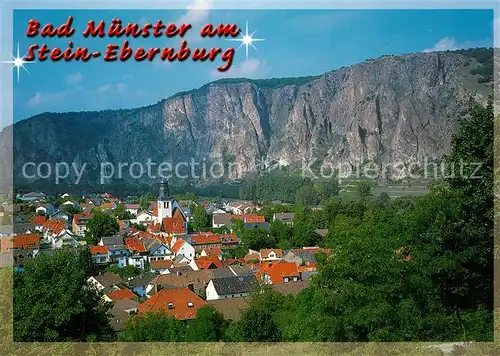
(165, 201)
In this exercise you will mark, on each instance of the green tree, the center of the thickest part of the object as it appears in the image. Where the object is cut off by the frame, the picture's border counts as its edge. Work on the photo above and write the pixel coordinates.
(122, 214)
(209, 325)
(154, 327)
(257, 325)
(257, 238)
(145, 199)
(365, 190)
(201, 219)
(307, 195)
(101, 225)
(85, 262)
(54, 302)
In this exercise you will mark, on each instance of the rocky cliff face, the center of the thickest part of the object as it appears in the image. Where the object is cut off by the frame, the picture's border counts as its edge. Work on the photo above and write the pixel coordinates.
(391, 109)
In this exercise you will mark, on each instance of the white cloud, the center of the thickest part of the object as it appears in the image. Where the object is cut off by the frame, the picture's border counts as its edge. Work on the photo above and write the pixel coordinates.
(42, 98)
(105, 87)
(451, 44)
(444, 44)
(74, 78)
(118, 88)
(250, 68)
(198, 12)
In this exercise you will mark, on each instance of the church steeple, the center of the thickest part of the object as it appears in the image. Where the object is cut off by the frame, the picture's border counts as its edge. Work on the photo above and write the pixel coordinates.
(164, 193)
(164, 202)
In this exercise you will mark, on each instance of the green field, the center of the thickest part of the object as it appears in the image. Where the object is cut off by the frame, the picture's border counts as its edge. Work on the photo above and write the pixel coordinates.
(349, 188)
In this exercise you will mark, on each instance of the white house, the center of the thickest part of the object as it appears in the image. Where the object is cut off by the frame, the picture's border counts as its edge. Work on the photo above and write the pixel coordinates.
(132, 208)
(66, 239)
(271, 254)
(230, 287)
(144, 218)
(181, 247)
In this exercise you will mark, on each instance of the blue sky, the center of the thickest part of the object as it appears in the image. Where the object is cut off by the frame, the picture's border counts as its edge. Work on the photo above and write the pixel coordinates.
(297, 43)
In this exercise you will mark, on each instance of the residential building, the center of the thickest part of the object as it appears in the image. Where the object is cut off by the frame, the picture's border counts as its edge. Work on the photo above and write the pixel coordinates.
(204, 240)
(161, 266)
(119, 294)
(121, 312)
(144, 218)
(61, 215)
(100, 254)
(212, 251)
(106, 280)
(206, 262)
(279, 272)
(230, 287)
(270, 254)
(194, 280)
(118, 252)
(132, 208)
(137, 253)
(181, 247)
(286, 218)
(157, 250)
(80, 223)
(181, 303)
(38, 221)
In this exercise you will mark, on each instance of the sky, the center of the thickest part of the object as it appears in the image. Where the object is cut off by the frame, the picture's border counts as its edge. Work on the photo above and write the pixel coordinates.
(296, 43)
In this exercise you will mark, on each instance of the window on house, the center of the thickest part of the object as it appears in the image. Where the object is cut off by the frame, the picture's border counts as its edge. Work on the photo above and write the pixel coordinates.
(170, 305)
(295, 279)
(286, 279)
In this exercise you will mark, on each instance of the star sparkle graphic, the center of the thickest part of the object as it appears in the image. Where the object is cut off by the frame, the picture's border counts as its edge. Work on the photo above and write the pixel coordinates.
(17, 62)
(247, 39)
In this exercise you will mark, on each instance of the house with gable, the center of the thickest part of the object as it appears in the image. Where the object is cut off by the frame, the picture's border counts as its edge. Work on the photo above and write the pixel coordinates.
(79, 224)
(205, 262)
(157, 250)
(100, 255)
(137, 253)
(270, 254)
(180, 303)
(61, 215)
(231, 287)
(278, 272)
(181, 247)
(118, 253)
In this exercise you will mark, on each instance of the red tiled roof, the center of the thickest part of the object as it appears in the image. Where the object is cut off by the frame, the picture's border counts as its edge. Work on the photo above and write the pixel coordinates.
(205, 262)
(155, 211)
(152, 227)
(133, 244)
(38, 220)
(307, 268)
(203, 238)
(177, 246)
(265, 253)
(174, 225)
(251, 257)
(98, 250)
(132, 206)
(121, 294)
(277, 271)
(77, 218)
(213, 251)
(24, 241)
(54, 226)
(107, 205)
(161, 264)
(184, 303)
(228, 238)
(251, 218)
